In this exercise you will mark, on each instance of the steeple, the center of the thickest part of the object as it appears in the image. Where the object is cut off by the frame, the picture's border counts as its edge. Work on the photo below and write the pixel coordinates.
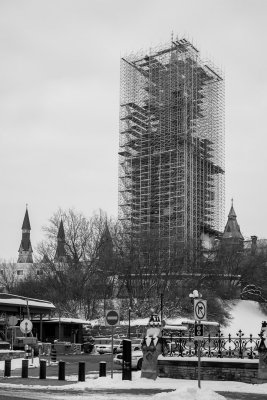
(25, 249)
(232, 232)
(61, 255)
(105, 250)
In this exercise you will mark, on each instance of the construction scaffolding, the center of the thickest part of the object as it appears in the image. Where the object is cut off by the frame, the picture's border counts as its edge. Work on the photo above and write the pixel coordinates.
(171, 157)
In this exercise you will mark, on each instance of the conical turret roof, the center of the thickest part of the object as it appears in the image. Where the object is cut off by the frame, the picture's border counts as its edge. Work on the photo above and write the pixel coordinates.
(232, 229)
(26, 222)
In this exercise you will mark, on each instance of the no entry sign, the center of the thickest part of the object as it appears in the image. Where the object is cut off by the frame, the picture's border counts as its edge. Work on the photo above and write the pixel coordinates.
(112, 318)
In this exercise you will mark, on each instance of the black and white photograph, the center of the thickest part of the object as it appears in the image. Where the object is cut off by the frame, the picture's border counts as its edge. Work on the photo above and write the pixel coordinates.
(133, 177)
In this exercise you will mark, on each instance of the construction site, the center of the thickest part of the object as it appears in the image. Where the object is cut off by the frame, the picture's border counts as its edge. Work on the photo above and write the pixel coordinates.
(171, 156)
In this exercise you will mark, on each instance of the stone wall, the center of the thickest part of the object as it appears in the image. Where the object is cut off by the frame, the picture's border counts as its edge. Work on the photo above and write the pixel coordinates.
(211, 369)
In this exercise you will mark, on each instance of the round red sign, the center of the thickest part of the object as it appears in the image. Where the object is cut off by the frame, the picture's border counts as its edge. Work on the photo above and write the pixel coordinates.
(112, 317)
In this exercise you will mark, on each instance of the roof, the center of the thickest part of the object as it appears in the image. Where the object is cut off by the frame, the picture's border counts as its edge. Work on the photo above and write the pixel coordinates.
(61, 232)
(232, 229)
(14, 303)
(65, 320)
(26, 222)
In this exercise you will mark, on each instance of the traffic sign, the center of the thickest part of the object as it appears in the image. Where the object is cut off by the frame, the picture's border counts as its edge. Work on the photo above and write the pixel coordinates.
(12, 320)
(112, 318)
(26, 326)
(200, 310)
(198, 332)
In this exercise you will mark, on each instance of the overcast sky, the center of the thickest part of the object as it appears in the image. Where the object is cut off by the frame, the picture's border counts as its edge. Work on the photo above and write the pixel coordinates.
(59, 101)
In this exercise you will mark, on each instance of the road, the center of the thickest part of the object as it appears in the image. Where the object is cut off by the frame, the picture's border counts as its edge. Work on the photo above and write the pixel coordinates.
(91, 366)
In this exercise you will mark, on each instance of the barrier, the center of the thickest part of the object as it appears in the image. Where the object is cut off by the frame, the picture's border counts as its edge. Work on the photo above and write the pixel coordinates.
(81, 372)
(25, 367)
(53, 354)
(42, 372)
(102, 368)
(7, 371)
(61, 371)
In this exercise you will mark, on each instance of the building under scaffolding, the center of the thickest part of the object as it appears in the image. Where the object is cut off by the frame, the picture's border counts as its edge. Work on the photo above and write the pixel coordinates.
(171, 157)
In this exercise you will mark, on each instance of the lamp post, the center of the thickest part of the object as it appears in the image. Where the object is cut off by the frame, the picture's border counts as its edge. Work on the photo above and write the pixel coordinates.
(161, 306)
(129, 326)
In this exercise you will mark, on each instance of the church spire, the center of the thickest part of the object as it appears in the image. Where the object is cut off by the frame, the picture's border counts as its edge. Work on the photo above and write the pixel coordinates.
(25, 249)
(232, 230)
(61, 251)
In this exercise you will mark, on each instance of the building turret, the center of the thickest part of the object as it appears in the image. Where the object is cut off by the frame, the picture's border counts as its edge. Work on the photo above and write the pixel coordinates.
(232, 235)
(61, 255)
(25, 249)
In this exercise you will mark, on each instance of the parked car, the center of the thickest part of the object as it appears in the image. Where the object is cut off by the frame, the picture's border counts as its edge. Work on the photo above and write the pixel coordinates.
(104, 345)
(137, 359)
(136, 344)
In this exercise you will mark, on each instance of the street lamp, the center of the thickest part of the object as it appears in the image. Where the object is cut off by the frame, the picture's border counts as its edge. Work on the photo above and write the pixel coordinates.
(195, 295)
(161, 306)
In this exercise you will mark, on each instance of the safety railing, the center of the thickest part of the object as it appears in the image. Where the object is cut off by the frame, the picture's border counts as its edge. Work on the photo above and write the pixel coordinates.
(212, 346)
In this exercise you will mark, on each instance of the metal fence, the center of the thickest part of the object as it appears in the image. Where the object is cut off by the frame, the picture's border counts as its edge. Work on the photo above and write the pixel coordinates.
(212, 346)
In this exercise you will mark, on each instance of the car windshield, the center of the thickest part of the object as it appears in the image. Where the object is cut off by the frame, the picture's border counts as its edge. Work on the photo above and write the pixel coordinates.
(136, 341)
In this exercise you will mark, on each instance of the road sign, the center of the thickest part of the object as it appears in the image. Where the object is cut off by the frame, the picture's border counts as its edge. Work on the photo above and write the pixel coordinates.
(12, 320)
(26, 326)
(200, 310)
(112, 318)
(198, 332)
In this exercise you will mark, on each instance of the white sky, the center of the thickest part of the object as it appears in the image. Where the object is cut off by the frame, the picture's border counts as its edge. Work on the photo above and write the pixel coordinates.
(59, 101)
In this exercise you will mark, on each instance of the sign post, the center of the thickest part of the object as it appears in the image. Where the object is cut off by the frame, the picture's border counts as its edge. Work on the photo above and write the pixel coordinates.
(12, 322)
(200, 314)
(112, 319)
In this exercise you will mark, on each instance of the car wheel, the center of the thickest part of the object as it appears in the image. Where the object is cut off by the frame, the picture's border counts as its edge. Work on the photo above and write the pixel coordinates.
(139, 364)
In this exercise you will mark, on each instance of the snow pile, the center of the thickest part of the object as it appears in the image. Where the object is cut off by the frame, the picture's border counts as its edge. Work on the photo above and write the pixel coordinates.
(247, 316)
(189, 394)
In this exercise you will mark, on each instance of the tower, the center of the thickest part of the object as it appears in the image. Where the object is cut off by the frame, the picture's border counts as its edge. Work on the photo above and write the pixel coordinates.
(25, 249)
(60, 255)
(171, 156)
(232, 236)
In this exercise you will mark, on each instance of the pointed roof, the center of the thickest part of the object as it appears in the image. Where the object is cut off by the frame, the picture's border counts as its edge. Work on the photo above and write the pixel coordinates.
(61, 232)
(26, 222)
(25, 248)
(60, 251)
(232, 229)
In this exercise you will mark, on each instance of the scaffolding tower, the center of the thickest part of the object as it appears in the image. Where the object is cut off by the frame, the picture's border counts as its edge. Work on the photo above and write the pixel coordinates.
(171, 156)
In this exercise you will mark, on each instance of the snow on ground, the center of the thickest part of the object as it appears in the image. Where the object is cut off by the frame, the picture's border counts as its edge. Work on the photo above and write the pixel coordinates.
(247, 316)
(182, 389)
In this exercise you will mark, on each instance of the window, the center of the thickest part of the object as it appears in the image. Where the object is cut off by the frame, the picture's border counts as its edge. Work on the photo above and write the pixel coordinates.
(20, 272)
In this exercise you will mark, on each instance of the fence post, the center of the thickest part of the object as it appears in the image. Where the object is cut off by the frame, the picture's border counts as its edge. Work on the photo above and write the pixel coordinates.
(81, 373)
(61, 371)
(102, 368)
(42, 374)
(24, 370)
(7, 371)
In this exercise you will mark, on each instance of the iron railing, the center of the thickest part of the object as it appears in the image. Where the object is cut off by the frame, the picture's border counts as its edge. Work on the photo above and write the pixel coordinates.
(212, 346)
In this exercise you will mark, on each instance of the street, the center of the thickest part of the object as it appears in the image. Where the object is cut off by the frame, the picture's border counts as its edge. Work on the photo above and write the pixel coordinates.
(92, 369)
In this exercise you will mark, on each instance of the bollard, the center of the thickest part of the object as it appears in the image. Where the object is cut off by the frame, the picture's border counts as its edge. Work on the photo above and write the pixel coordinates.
(81, 373)
(102, 368)
(24, 370)
(7, 371)
(42, 374)
(61, 371)
(53, 354)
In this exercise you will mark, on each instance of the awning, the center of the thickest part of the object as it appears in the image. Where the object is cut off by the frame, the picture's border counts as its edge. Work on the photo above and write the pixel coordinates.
(11, 303)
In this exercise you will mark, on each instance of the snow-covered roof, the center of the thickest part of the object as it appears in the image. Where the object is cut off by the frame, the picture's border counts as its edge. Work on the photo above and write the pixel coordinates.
(67, 320)
(11, 302)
